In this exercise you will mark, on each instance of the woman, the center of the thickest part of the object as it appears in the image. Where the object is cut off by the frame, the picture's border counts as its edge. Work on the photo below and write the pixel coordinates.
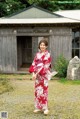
(41, 68)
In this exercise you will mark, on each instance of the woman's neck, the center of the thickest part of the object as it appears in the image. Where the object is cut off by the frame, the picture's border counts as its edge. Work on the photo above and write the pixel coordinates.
(43, 51)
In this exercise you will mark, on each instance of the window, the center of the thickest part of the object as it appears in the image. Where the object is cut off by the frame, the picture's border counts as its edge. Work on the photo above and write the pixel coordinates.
(76, 43)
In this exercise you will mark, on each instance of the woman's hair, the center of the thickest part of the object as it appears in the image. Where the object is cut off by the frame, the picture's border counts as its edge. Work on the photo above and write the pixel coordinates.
(43, 41)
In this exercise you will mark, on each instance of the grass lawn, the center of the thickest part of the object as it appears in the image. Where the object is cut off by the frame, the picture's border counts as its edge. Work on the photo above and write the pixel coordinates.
(64, 99)
(5, 85)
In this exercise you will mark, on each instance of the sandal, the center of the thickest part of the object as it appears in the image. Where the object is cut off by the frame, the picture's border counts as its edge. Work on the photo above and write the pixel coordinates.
(46, 112)
(37, 110)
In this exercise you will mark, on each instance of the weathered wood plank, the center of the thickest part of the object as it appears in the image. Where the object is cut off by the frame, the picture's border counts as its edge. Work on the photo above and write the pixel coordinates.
(8, 52)
(61, 41)
(34, 46)
(0, 53)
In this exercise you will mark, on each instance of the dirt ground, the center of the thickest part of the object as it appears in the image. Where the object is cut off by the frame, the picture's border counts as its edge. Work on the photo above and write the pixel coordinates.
(63, 101)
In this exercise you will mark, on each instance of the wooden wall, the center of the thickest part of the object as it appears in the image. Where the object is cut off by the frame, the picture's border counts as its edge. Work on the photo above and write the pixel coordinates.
(34, 46)
(8, 53)
(61, 43)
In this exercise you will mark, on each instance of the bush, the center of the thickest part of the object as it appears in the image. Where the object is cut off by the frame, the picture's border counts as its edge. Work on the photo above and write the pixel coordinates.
(61, 66)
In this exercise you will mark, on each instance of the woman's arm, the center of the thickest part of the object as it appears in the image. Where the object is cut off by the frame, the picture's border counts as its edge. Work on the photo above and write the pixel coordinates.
(33, 65)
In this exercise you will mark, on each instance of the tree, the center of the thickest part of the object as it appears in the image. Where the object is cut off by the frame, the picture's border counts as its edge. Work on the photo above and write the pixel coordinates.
(54, 5)
(68, 4)
(11, 6)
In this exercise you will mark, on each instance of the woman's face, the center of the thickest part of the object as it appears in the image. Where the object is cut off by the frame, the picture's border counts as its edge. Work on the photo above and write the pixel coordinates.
(43, 47)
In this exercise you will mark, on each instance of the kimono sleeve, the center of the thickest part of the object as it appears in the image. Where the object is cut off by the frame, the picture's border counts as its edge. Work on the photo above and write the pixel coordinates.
(33, 65)
(46, 64)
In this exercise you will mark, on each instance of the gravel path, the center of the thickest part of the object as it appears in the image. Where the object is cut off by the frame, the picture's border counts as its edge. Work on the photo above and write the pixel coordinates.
(64, 101)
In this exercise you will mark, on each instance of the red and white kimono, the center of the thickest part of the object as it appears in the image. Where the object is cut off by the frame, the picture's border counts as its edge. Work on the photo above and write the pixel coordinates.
(41, 65)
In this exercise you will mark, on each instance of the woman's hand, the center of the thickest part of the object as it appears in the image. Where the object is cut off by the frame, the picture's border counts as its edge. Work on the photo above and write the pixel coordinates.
(34, 76)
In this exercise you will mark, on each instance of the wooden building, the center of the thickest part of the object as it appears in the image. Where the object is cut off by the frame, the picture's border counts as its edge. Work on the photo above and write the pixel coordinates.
(21, 32)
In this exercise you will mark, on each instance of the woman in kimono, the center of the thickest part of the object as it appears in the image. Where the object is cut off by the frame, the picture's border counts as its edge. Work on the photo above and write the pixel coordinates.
(41, 69)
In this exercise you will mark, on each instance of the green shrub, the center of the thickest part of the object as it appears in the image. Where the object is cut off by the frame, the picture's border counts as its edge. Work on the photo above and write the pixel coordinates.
(61, 66)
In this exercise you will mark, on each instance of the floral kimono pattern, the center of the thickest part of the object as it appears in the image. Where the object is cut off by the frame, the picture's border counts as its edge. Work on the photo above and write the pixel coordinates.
(41, 65)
